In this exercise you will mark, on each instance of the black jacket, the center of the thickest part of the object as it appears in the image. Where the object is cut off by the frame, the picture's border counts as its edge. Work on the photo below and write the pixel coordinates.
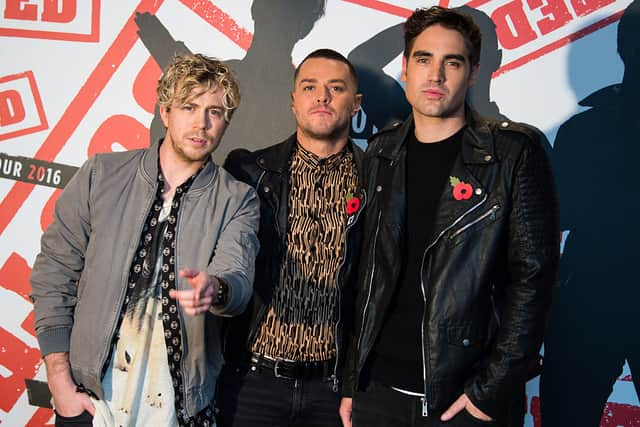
(267, 170)
(487, 273)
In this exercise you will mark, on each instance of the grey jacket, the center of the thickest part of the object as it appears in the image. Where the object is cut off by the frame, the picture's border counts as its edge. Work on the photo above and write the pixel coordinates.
(79, 278)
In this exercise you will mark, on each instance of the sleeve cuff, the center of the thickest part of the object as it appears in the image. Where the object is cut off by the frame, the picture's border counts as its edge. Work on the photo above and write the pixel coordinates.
(54, 340)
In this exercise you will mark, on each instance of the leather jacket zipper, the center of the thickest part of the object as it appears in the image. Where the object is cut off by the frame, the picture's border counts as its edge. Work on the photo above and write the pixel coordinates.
(334, 377)
(493, 305)
(263, 310)
(373, 269)
(425, 403)
(425, 343)
(491, 212)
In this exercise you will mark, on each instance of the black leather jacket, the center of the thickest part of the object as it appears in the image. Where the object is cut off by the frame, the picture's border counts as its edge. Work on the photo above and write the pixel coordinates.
(487, 273)
(267, 170)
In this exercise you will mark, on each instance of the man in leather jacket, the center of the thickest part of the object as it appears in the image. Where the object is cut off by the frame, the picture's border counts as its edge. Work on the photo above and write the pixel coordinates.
(284, 355)
(456, 273)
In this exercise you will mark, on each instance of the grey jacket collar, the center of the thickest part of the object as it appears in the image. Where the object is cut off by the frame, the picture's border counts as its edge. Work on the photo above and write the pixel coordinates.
(149, 169)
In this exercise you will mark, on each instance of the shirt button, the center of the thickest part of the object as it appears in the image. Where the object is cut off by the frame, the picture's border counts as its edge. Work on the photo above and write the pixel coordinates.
(478, 191)
(379, 188)
(504, 124)
(266, 189)
(466, 342)
(487, 158)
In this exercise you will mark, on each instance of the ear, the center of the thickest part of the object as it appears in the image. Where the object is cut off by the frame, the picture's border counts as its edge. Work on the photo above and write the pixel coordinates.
(357, 102)
(293, 99)
(473, 76)
(403, 73)
(164, 115)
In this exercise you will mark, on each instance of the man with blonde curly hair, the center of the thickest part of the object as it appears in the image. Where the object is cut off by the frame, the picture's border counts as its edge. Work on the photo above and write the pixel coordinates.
(147, 248)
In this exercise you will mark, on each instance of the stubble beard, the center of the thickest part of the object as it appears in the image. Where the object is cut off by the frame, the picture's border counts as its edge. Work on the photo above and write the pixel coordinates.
(331, 133)
(198, 156)
(441, 111)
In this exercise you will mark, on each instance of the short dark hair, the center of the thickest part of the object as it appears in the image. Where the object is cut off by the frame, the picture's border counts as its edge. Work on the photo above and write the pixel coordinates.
(423, 18)
(328, 54)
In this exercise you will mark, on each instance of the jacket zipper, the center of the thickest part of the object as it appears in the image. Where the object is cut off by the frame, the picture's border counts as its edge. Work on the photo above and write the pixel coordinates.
(373, 269)
(263, 310)
(493, 305)
(425, 408)
(183, 337)
(491, 212)
(276, 223)
(339, 298)
(425, 411)
(334, 377)
(114, 323)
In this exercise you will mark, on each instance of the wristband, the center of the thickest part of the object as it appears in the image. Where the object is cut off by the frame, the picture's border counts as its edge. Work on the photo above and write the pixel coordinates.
(223, 293)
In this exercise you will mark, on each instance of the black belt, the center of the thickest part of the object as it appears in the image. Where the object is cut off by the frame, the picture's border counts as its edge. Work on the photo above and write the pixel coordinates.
(293, 370)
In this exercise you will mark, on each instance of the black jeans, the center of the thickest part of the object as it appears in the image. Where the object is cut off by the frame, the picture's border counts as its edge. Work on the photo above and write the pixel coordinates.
(83, 420)
(248, 398)
(381, 406)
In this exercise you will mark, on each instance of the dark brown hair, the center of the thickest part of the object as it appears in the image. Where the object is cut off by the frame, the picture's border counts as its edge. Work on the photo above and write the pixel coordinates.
(423, 18)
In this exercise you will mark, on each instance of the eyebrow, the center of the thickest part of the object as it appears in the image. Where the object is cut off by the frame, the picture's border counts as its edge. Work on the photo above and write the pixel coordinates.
(309, 80)
(424, 53)
(190, 103)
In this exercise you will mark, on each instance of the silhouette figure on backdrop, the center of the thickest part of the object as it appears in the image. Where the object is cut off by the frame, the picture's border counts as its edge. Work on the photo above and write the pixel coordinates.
(594, 318)
(490, 60)
(383, 97)
(264, 73)
(479, 97)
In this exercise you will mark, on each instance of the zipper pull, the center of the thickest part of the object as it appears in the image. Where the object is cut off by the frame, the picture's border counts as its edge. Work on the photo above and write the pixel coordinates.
(335, 384)
(494, 209)
(425, 409)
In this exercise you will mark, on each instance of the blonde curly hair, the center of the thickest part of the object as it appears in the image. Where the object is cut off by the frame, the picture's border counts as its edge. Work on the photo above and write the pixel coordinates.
(186, 72)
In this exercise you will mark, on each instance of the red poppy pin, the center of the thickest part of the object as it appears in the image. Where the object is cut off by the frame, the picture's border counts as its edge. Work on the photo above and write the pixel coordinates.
(461, 190)
(353, 204)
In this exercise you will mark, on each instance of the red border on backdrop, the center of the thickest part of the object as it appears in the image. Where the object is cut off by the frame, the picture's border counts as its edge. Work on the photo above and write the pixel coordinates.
(516, 63)
(93, 36)
(36, 98)
(220, 20)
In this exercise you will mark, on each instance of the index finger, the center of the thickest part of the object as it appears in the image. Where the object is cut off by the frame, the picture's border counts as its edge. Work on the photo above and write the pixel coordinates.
(188, 272)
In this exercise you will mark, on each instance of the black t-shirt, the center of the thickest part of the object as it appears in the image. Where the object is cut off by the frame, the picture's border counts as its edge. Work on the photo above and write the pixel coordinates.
(397, 356)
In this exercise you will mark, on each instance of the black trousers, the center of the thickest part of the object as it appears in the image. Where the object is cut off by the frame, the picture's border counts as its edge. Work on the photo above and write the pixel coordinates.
(256, 398)
(381, 406)
(83, 420)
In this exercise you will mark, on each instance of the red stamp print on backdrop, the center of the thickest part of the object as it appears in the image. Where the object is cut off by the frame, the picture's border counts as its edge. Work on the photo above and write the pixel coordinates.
(98, 79)
(78, 107)
(73, 20)
(21, 110)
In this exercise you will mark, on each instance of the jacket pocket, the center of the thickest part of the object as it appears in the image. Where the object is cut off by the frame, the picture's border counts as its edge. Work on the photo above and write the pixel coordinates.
(460, 347)
(465, 336)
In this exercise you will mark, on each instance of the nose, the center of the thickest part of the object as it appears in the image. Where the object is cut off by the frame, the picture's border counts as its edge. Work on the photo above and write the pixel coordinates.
(324, 96)
(201, 120)
(436, 72)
